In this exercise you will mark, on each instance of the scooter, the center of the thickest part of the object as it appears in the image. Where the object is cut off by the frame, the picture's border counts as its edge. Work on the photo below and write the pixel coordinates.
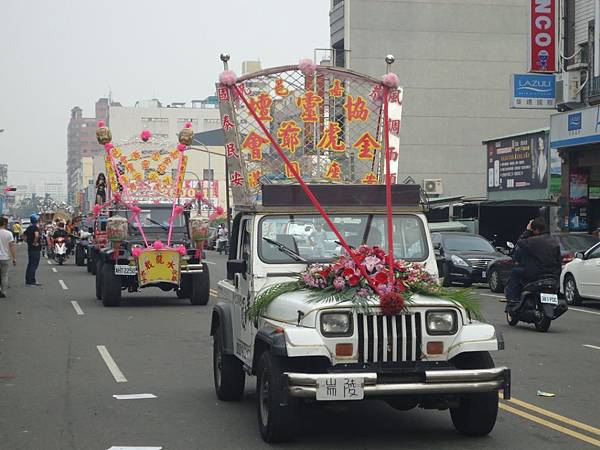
(539, 304)
(60, 250)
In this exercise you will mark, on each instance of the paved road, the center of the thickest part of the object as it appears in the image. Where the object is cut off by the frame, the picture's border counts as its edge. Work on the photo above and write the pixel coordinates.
(56, 389)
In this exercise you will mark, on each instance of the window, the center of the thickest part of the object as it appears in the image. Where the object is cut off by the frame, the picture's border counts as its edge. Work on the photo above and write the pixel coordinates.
(594, 253)
(211, 124)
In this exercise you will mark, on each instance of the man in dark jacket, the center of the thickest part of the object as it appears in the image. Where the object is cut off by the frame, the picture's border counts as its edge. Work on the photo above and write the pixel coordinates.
(538, 253)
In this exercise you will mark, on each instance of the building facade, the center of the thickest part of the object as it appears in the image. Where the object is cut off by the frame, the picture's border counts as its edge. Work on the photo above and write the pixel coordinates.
(454, 60)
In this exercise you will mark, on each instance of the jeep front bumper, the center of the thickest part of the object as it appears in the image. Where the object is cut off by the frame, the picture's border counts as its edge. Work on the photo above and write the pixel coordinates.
(438, 382)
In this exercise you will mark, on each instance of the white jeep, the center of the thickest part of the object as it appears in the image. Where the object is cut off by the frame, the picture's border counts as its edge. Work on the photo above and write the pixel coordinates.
(435, 355)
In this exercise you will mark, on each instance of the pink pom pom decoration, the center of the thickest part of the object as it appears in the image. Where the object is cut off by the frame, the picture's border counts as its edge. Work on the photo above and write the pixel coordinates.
(181, 250)
(101, 123)
(135, 209)
(97, 209)
(307, 67)
(219, 210)
(227, 78)
(391, 80)
(181, 147)
(199, 195)
(117, 197)
(145, 135)
(136, 251)
(108, 147)
(188, 125)
(158, 245)
(178, 210)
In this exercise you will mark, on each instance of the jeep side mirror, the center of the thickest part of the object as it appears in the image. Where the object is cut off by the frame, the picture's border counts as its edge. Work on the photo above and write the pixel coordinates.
(236, 266)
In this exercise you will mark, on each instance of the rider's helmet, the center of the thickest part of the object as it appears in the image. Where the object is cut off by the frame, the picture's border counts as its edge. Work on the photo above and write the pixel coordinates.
(33, 218)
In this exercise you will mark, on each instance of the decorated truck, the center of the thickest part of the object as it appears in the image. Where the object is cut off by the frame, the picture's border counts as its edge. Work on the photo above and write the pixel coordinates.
(153, 237)
(332, 291)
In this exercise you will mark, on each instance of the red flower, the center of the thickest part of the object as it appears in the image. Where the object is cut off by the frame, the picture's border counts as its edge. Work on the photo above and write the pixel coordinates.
(391, 304)
(348, 273)
(353, 280)
(381, 277)
(326, 272)
(400, 286)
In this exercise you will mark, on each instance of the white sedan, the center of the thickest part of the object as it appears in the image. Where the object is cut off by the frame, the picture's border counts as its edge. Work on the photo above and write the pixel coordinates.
(581, 277)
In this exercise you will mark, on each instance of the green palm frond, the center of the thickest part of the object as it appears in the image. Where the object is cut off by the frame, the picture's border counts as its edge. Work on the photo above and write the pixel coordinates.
(265, 298)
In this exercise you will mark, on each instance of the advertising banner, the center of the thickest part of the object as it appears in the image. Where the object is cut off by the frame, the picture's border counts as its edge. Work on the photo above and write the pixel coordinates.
(532, 91)
(518, 163)
(578, 187)
(543, 40)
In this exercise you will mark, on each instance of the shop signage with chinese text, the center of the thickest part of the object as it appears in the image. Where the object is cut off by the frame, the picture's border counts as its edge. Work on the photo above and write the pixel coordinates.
(532, 91)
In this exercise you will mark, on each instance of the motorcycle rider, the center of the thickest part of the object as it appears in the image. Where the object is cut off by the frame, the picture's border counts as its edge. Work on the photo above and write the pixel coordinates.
(222, 236)
(537, 253)
(60, 231)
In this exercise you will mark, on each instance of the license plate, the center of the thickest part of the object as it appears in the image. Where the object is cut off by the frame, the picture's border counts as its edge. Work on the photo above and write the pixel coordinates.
(340, 388)
(123, 269)
(483, 274)
(551, 299)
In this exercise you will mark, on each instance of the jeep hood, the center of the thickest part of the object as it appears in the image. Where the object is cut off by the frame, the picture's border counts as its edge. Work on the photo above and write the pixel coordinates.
(289, 306)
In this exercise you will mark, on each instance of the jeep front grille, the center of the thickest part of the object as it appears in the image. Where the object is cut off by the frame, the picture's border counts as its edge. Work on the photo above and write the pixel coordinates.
(389, 338)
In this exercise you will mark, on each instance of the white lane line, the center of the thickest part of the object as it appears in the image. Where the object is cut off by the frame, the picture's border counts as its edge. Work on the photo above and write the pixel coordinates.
(213, 295)
(134, 448)
(214, 291)
(54, 270)
(111, 364)
(63, 285)
(49, 262)
(133, 396)
(77, 308)
(595, 347)
(584, 311)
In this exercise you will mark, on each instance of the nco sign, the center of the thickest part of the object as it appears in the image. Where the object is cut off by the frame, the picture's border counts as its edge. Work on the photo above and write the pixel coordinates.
(542, 36)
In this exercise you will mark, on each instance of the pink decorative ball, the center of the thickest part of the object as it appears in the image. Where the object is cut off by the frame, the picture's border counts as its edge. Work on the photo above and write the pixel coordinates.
(188, 125)
(108, 147)
(158, 245)
(219, 210)
(391, 80)
(145, 135)
(307, 67)
(97, 209)
(136, 251)
(178, 210)
(117, 197)
(101, 123)
(181, 249)
(135, 209)
(227, 78)
(181, 147)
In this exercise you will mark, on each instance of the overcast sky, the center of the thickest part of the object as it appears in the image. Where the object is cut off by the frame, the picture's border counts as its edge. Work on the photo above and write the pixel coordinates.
(58, 54)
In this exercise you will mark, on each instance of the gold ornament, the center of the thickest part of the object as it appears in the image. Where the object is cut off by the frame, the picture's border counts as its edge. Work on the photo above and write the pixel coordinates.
(103, 135)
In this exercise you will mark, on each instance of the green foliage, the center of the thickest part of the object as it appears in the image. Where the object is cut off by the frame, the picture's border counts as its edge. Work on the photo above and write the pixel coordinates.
(264, 299)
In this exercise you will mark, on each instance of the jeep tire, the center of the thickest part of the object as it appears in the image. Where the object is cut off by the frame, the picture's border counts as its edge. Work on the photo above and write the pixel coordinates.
(476, 415)
(94, 263)
(276, 411)
(200, 287)
(98, 272)
(228, 372)
(111, 286)
(185, 287)
(79, 255)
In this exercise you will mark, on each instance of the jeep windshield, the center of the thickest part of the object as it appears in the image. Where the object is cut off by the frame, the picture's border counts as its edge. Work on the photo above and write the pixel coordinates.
(155, 219)
(310, 237)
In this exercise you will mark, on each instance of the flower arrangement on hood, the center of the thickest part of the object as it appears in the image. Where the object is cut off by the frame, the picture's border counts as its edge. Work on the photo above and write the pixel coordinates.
(343, 280)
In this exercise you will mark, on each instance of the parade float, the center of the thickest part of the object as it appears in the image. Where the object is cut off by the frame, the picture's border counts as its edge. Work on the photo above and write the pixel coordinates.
(332, 288)
(154, 236)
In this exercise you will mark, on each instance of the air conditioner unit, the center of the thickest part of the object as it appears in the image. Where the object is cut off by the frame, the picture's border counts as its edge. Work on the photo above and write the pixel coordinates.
(568, 87)
(433, 186)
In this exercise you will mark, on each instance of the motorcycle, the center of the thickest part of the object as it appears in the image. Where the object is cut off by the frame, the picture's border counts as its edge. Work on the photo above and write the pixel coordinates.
(60, 250)
(539, 304)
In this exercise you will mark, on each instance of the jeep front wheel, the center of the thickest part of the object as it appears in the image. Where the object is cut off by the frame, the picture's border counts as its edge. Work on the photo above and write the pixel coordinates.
(476, 415)
(276, 411)
(200, 287)
(79, 255)
(111, 286)
(98, 273)
(228, 373)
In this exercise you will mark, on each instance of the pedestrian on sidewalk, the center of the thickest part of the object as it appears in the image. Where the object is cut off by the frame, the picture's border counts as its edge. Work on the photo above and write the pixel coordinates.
(34, 249)
(16, 229)
(8, 252)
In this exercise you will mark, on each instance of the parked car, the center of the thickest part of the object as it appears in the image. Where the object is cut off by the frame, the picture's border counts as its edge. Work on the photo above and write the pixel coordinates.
(463, 257)
(498, 271)
(580, 278)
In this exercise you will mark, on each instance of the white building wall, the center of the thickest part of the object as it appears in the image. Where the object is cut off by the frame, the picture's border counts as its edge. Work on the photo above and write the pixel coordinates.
(454, 60)
(584, 13)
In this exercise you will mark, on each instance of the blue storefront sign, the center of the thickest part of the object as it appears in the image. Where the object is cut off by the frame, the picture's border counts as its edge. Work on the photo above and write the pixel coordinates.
(533, 91)
(574, 122)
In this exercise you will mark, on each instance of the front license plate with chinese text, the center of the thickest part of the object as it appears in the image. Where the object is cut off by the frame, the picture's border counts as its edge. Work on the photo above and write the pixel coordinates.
(340, 388)
(123, 269)
(551, 299)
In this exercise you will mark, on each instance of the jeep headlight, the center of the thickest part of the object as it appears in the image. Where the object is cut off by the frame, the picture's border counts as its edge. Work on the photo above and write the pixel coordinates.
(336, 324)
(441, 322)
(458, 261)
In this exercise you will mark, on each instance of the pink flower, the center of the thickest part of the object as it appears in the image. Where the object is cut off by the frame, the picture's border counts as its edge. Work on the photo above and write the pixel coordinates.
(117, 197)
(339, 283)
(188, 125)
(227, 78)
(219, 210)
(101, 123)
(136, 251)
(391, 80)
(158, 245)
(181, 250)
(181, 147)
(371, 262)
(307, 67)
(97, 209)
(199, 195)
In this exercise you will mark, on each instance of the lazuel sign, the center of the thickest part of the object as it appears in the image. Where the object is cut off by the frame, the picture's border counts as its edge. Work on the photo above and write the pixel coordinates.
(542, 36)
(532, 91)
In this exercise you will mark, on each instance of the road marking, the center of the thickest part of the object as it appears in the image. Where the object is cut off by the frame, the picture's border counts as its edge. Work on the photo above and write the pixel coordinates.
(54, 270)
(213, 291)
(133, 396)
(548, 424)
(78, 309)
(552, 415)
(49, 262)
(134, 448)
(63, 285)
(585, 311)
(111, 364)
(213, 295)
(595, 347)
(492, 295)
